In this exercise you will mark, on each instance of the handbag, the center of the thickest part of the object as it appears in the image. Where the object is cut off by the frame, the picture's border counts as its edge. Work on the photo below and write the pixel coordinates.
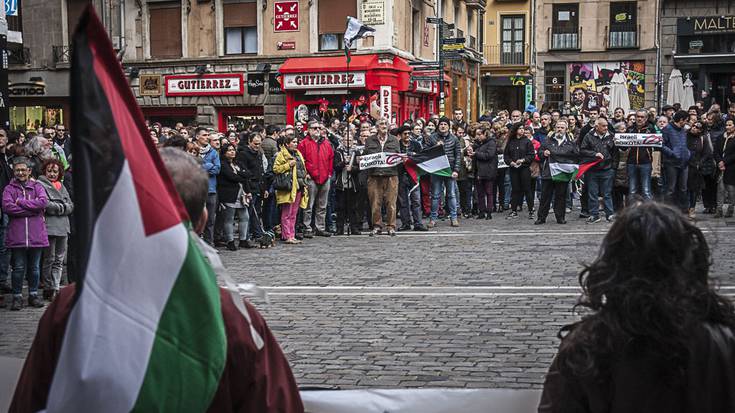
(535, 169)
(283, 182)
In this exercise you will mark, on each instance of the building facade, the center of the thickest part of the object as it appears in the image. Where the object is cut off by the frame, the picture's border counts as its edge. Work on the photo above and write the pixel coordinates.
(218, 62)
(507, 78)
(698, 38)
(581, 45)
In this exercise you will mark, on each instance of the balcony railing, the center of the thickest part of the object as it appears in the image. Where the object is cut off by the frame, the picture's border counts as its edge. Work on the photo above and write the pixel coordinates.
(18, 55)
(62, 54)
(565, 39)
(623, 36)
(498, 55)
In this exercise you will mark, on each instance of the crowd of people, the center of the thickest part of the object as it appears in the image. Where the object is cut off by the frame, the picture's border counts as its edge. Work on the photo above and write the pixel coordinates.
(299, 182)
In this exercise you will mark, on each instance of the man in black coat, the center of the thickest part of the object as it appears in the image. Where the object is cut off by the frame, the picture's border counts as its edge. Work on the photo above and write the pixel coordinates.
(559, 147)
(599, 143)
(250, 158)
(409, 198)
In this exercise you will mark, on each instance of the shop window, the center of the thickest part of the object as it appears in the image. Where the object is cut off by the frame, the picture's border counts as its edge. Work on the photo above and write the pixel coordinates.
(332, 20)
(623, 25)
(565, 31)
(165, 29)
(30, 118)
(241, 27)
(554, 81)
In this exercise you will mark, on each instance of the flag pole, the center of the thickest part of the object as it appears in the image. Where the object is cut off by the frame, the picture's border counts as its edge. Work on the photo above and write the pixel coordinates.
(347, 55)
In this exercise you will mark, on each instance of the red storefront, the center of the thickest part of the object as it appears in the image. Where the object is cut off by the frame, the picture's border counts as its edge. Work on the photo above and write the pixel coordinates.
(378, 85)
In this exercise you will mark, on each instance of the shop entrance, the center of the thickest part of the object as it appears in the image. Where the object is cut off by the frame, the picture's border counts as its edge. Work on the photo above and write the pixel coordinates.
(240, 117)
(170, 116)
(722, 84)
(504, 97)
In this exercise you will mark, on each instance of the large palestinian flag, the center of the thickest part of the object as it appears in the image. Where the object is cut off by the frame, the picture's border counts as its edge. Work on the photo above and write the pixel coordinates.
(431, 161)
(146, 332)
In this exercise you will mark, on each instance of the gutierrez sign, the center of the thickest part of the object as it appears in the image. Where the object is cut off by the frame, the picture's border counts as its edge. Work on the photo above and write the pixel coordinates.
(323, 80)
(205, 85)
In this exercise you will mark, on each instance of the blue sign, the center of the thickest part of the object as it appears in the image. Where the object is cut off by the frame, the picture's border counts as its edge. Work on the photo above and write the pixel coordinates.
(11, 7)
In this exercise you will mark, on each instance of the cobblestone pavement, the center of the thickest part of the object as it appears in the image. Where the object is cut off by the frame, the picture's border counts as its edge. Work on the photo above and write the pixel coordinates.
(475, 306)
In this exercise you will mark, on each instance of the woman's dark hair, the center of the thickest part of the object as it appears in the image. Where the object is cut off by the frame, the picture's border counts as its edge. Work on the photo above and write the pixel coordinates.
(176, 141)
(646, 292)
(514, 130)
(224, 148)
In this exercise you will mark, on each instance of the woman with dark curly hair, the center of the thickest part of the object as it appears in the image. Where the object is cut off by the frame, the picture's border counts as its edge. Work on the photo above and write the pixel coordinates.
(655, 336)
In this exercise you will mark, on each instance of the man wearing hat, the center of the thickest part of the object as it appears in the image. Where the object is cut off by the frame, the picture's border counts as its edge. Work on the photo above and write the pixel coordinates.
(444, 137)
(409, 198)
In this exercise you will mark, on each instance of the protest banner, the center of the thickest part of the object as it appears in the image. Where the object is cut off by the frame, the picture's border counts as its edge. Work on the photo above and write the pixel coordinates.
(381, 160)
(651, 140)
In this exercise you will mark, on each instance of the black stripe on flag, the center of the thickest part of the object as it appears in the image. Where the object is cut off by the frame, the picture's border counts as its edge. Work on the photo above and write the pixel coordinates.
(97, 153)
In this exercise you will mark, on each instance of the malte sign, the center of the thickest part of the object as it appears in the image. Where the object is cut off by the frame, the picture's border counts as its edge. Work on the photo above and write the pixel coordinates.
(205, 85)
(293, 81)
(286, 16)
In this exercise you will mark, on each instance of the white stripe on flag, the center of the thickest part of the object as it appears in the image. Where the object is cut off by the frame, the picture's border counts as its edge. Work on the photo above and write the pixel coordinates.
(557, 168)
(111, 329)
(435, 164)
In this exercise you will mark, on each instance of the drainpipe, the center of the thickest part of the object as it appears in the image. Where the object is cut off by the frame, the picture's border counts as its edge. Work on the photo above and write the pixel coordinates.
(533, 70)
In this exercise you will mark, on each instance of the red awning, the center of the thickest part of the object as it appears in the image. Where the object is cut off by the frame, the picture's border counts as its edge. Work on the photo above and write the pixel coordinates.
(339, 64)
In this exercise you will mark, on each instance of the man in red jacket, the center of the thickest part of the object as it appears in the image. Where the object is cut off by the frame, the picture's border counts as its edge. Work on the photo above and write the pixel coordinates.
(319, 159)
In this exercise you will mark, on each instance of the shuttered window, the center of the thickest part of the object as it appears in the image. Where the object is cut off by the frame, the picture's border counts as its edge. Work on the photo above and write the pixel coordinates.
(241, 26)
(165, 29)
(333, 15)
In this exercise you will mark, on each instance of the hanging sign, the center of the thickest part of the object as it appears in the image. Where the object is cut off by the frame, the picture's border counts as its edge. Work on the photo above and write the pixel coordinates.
(256, 84)
(653, 140)
(386, 102)
(286, 16)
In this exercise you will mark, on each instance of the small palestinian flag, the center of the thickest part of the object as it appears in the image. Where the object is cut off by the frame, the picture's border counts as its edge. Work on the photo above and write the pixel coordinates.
(586, 165)
(146, 331)
(431, 161)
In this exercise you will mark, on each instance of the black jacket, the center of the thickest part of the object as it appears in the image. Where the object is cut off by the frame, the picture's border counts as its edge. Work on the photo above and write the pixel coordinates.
(413, 146)
(592, 144)
(636, 385)
(451, 149)
(391, 145)
(252, 162)
(229, 181)
(640, 155)
(486, 159)
(725, 152)
(517, 149)
(560, 152)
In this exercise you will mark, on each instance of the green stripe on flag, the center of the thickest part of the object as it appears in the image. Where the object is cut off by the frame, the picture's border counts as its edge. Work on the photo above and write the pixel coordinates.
(190, 348)
(563, 172)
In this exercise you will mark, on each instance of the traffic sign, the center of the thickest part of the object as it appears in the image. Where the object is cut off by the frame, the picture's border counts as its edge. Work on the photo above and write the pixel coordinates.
(424, 63)
(453, 56)
(449, 26)
(418, 78)
(454, 40)
(434, 20)
(425, 73)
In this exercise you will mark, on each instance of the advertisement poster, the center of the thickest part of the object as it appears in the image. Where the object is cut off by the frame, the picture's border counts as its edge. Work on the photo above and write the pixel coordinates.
(589, 84)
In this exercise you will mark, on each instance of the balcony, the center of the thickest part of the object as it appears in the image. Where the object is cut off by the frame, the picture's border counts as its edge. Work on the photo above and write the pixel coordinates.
(476, 4)
(62, 55)
(623, 37)
(497, 55)
(18, 55)
(565, 39)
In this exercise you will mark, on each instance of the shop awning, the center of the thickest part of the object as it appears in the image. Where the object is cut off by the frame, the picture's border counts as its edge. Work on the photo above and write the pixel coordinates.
(339, 64)
(369, 72)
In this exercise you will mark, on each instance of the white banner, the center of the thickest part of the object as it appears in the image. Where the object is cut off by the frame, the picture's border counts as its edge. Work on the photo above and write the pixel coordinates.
(335, 80)
(381, 160)
(651, 140)
(386, 103)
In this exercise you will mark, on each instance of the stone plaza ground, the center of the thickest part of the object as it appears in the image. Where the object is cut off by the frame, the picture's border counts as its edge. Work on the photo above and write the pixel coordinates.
(477, 306)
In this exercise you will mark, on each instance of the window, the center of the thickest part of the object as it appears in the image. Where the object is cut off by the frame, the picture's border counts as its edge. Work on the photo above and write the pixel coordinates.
(512, 37)
(241, 27)
(165, 29)
(332, 20)
(554, 80)
(565, 26)
(623, 25)
(417, 27)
